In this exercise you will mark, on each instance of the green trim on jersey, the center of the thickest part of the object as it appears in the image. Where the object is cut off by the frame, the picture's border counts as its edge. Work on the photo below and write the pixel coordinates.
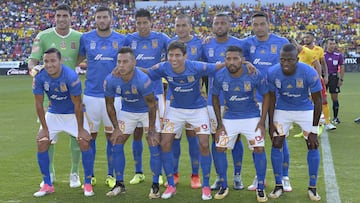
(68, 45)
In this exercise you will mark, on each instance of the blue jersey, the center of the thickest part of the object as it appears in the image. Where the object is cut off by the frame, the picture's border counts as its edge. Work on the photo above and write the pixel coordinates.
(132, 92)
(263, 54)
(293, 91)
(101, 54)
(185, 86)
(240, 102)
(58, 90)
(193, 53)
(148, 51)
(214, 52)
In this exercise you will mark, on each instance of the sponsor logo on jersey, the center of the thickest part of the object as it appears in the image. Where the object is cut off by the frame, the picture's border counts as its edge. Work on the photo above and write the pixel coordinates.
(299, 83)
(179, 89)
(142, 57)
(100, 57)
(235, 98)
(258, 61)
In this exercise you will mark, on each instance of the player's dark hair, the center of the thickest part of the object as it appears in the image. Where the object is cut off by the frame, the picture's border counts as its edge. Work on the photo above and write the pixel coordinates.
(177, 45)
(288, 48)
(183, 16)
(143, 13)
(104, 8)
(125, 50)
(53, 50)
(260, 14)
(64, 7)
(331, 39)
(310, 33)
(234, 49)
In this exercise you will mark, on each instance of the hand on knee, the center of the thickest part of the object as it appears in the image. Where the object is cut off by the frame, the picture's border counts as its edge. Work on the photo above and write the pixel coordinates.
(278, 141)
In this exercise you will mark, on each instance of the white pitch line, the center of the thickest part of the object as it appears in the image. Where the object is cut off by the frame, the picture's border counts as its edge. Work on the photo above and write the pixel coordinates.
(331, 186)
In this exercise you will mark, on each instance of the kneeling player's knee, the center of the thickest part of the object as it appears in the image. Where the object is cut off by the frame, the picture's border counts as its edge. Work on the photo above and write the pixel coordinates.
(278, 142)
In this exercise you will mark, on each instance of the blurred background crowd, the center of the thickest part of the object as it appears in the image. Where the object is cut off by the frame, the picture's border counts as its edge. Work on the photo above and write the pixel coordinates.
(21, 20)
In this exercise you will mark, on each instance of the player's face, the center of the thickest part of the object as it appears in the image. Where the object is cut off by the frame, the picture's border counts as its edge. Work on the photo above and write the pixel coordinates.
(260, 27)
(52, 64)
(233, 61)
(308, 39)
(143, 26)
(182, 27)
(331, 45)
(288, 61)
(221, 26)
(125, 64)
(103, 21)
(63, 20)
(176, 59)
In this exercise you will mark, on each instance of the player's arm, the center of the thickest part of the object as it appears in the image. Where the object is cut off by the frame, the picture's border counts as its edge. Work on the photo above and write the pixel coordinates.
(342, 72)
(80, 59)
(110, 109)
(272, 102)
(219, 66)
(312, 141)
(317, 67)
(217, 109)
(79, 114)
(152, 105)
(324, 69)
(39, 99)
(32, 64)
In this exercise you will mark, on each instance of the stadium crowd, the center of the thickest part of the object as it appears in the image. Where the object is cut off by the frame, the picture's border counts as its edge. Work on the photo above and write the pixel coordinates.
(20, 21)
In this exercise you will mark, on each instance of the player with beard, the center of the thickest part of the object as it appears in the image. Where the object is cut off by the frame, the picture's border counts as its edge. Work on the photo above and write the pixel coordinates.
(100, 48)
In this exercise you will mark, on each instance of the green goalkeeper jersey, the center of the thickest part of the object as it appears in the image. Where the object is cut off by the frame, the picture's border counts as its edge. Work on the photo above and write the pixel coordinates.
(67, 45)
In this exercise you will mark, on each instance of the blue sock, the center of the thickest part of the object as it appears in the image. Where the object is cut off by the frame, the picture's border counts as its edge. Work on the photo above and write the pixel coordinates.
(168, 163)
(137, 149)
(119, 161)
(205, 162)
(260, 166)
(88, 163)
(44, 162)
(93, 147)
(177, 151)
(237, 155)
(194, 152)
(155, 162)
(222, 165)
(276, 160)
(109, 147)
(286, 162)
(313, 159)
(214, 155)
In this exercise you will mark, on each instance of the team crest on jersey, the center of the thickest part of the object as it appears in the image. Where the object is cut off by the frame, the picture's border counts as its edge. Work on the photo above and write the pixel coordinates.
(115, 45)
(133, 44)
(46, 86)
(237, 89)
(273, 48)
(211, 52)
(92, 44)
(299, 83)
(277, 83)
(193, 50)
(133, 89)
(73, 45)
(191, 78)
(225, 86)
(63, 87)
(118, 90)
(170, 79)
(252, 49)
(154, 43)
(247, 86)
(62, 45)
